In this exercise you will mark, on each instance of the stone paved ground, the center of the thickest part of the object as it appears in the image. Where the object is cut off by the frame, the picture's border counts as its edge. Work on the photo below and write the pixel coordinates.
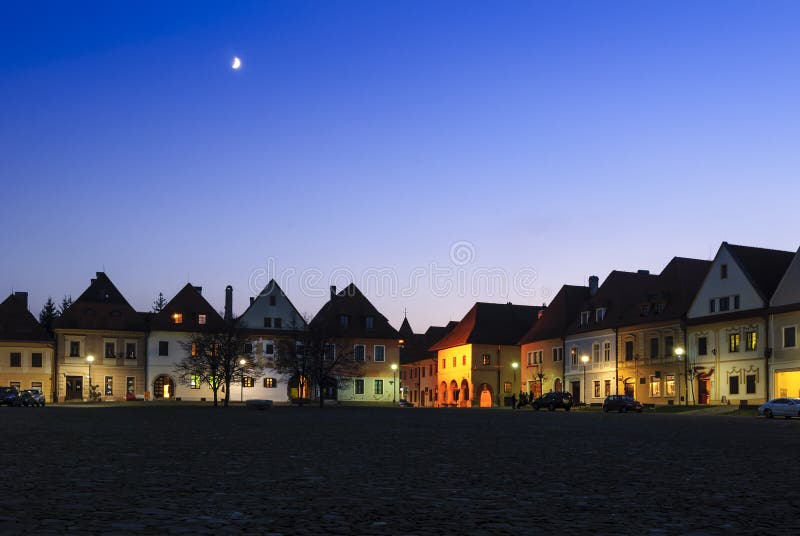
(195, 470)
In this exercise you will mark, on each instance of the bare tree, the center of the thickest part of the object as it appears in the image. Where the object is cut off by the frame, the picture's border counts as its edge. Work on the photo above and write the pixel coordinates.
(202, 362)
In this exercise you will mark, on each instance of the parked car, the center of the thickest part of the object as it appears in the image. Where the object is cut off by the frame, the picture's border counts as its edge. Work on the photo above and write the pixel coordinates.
(621, 403)
(9, 396)
(31, 397)
(780, 407)
(405, 403)
(553, 400)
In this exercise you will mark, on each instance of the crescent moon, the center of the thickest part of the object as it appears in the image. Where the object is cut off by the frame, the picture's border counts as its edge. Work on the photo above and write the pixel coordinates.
(237, 63)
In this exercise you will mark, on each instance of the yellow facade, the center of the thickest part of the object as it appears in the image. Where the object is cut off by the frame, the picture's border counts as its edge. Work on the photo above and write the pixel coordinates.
(542, 366)
(477, 375)
(653, 374)
(30, 368)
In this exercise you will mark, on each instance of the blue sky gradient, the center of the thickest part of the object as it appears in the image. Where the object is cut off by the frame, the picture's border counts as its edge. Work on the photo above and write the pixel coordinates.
(566, 138)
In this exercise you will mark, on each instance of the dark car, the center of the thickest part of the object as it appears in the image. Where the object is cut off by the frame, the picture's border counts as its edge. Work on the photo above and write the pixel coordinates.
(622, 404)
(553, 400)
(31, 397)
(9, 396)
(403, 403)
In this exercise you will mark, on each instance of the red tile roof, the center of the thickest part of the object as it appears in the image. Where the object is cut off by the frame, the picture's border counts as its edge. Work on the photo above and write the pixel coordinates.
(490, 323)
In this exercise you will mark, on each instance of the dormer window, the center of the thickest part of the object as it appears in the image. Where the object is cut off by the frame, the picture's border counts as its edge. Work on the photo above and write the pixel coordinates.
(177, 318)
(369, 322)
(584, 318)
(723, 271)
(599, 314)
(201, 319)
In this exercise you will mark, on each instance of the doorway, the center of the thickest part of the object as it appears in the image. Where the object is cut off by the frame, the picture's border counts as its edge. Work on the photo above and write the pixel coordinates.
(704, 391)
(74, 388)
(629, 388)
(163, 387)
(576, 392)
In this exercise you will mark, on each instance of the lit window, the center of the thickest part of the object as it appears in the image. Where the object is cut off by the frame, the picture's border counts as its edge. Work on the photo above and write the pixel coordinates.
(655, 386)
(734, 341)
(177, 318)
(109, 385)
(506, 387)
(669, 385)
(270, 383)
(486, 360)
(130, 385)
(248, 381)
(201, 319)
(751, 340)
(596, 389)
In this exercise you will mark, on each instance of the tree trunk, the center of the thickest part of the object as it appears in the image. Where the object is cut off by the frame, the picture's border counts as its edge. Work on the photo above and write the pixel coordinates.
(215, 397)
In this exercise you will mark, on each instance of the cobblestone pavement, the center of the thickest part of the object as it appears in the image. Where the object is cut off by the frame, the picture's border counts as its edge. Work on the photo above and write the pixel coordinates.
(342, 470)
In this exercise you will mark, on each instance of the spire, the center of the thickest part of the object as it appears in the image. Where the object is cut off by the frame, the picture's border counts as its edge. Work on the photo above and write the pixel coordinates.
(405, 329)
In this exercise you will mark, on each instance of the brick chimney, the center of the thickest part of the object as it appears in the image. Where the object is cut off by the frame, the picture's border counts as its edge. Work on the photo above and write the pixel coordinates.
(228, 303)
(594, 283)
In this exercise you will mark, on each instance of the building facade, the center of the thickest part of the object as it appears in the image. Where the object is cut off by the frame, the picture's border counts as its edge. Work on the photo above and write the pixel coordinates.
(26, 349)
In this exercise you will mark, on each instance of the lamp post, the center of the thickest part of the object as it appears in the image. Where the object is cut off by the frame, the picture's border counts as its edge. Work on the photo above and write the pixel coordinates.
(242, 363)
(394, 383)
(679, 351)
(514, 366)
(90, 359)
(584, 360)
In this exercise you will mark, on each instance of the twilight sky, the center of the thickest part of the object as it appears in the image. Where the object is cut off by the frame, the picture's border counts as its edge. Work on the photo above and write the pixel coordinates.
(445, 146)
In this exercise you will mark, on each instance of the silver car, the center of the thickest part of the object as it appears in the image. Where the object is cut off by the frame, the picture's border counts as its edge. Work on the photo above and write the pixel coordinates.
(780, 407)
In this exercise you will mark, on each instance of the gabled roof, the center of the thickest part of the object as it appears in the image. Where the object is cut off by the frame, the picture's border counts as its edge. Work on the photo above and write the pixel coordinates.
(787, 293)
(558, 315)
(618, 292)
(101, 307)
(353, 305)
(674, 289)
(189, 303)
(416, 346)
(17, 323)
(405, 329)
(490, 323)
(272, 289)
(763, 267)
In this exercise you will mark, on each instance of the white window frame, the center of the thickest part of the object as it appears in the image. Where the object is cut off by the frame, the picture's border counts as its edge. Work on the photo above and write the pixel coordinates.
(111, 341)
(585, 318)
(267, 343)
(135, 343)
(530, 358)
(81, 346)
(599, 314)
(606, 351)
(783, 335)
(655, 385)
(558, 354)
(378, 381)
(596, 352)
(355, 387)
(201, 319)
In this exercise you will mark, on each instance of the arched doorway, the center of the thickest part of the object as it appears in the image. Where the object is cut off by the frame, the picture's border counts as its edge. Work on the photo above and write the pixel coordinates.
(443, 394)
(163, 387)
(464, 393)
(298, 387)
(629, 387)
(486, 395)
(557, 385)
(454, 391)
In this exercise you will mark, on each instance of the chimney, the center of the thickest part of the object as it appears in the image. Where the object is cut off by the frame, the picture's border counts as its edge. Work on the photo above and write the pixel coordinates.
(228, 303)
(594, 282)
(22, 297)
(333, 291)
(199, 290)
(643, 272)
(252, 299)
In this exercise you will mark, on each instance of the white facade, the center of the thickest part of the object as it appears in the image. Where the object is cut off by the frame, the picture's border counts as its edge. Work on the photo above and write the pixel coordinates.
(784, 362)
(601, 347)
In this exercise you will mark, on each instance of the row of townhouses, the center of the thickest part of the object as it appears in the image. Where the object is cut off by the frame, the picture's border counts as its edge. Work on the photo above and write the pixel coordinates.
(699, 332)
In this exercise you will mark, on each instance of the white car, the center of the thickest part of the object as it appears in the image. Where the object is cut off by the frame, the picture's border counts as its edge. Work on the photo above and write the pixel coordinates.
(780, 407)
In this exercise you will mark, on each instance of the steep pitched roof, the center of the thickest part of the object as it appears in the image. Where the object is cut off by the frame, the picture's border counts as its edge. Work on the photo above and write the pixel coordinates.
(353, 305)
(17, 323)
(297, 322)
(787, 293)
(674, 289)
(558, 315)
(619, 291)
(490, 323)
(405, 329)
(416, 346)
(763, 267)
(190, 304)
(101, 307)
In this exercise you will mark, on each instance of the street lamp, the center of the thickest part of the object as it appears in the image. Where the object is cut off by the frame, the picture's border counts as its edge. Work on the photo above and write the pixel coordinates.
(584, 360)
(679, 351)
(242, 363)
(394, 383)
(90, 359)
(514, 366)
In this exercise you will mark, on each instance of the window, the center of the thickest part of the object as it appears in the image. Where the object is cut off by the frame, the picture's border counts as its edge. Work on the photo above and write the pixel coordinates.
(369, 322)
(36, 360)
(194, 382)
(573, 353)
(36, 385)
(201, 319)
(454, 361)
(74, 349)
(595, 353)
(249, 381)
(110, 349)
(655, 386)
(485, 359)
(539, 357)
(343, 321)
(177, 318)
(702, 346)
(130, 385)
(248, 348)
(724, 303)
(380, 353)
(712, 305)
(669, 385)
(606, 351)
(109, 385)
(359, 386)
(628, 350)
(734, 341)
(358, 352)
(423, 371)
(750, 340)
(659, 308)
(669, 345)
(558, 354)
(330, 352)
(163, 348)
(599, 314)
(596, 389)
(272, 300)
(270, 383)
(130, 350)
(645, 309)
(444, 363)
(463, 361)
(733, 385)
(736, 302)
(506, 387)
(530, 358)
(789, 337)
(16, 359)
(278, 322)
(269, 348)
(723, 271)
(750, 382)
(299, 348)
(194, 349)
(607, 388)
(267, 322)
(653, 348)
(584, 318)
(378, 387)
